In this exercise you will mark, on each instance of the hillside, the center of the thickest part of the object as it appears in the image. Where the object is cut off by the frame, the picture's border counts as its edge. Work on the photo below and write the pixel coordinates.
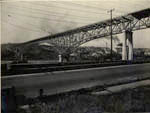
(38, 52)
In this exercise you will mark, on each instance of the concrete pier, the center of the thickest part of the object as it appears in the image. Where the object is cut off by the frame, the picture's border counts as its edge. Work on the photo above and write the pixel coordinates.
(124, 47)
(128, 35)
(60, 58)
(130, 45)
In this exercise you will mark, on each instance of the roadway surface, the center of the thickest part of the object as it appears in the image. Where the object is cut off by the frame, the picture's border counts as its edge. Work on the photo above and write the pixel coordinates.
(61, 81)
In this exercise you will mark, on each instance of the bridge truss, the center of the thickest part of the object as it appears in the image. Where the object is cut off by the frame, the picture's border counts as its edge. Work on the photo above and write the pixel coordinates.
(76, 37)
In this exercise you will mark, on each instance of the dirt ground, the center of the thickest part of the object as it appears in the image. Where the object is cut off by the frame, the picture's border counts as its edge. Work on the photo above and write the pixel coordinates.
(133, 100)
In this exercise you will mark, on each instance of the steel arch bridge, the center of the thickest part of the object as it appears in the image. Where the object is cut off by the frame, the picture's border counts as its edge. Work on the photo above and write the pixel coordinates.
(76, 37)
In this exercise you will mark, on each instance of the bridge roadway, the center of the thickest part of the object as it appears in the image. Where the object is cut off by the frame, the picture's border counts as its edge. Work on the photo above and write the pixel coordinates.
(61, 81)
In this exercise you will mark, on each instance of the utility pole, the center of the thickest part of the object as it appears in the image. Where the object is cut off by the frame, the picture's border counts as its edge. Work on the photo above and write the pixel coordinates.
(110, 11)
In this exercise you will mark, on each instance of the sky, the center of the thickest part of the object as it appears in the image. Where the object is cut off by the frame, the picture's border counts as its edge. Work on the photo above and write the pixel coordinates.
(27, 20)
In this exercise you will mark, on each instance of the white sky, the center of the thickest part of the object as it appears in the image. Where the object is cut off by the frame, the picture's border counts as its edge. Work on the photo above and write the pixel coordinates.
(27, 20)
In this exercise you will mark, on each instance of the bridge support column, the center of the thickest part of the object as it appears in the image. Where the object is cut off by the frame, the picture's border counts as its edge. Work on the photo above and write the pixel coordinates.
(130, 45)
(60, 58)
(124, 47)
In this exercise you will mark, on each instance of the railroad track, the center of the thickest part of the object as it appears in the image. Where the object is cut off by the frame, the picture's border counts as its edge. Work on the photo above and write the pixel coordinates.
(17, 69)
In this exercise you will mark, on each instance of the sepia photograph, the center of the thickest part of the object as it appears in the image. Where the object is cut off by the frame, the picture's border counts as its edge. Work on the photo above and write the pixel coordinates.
(75, 56)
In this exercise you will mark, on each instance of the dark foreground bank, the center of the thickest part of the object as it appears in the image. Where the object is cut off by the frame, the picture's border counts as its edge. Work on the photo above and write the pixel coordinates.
(131, 100)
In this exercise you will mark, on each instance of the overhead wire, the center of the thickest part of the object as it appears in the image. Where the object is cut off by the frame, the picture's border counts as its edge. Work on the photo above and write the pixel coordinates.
(50, 12)
(124, 4)
(66, 8)
(45, 18)
(135, 3)
(32, 17)
(22, 27)
(118, 13)
(40, 11)
(55, 15)
(26, 23)
(81, 5)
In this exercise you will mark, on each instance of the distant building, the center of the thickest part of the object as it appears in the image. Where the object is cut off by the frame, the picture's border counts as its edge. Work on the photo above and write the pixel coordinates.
(137, 52)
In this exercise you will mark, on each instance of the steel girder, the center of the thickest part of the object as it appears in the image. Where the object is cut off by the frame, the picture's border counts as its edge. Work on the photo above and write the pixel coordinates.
(134, 21)
(76, 39)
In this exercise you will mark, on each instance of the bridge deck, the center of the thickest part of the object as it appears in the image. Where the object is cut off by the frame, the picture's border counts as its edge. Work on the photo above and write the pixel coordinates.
(117, 22)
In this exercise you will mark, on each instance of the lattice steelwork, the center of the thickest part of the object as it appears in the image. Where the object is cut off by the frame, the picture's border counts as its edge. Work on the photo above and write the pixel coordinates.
(76, 37)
